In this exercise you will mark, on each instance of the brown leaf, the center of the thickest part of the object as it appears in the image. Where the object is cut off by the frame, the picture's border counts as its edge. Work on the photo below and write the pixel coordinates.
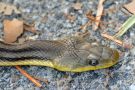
(12, 30)
(130, 7)
(77, 6)
(8, 9)
(29, 27)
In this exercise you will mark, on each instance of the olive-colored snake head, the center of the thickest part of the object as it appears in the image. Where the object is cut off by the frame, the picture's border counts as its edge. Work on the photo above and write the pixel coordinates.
(84, 55)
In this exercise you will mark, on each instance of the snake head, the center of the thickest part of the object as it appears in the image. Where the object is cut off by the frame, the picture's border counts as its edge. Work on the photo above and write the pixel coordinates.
(101, 57)
(84, 55)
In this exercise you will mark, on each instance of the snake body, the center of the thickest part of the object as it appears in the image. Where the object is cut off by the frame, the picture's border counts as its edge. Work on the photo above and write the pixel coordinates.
(73, 54)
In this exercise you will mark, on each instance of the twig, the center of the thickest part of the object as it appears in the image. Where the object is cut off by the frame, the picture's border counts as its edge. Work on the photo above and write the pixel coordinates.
(41, 79)
(113, 39)
(83, 27)
(29, 76)
(92, 18)
(99, 13)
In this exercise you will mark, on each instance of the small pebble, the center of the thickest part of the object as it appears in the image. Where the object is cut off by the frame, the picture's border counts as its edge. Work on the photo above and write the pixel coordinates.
(132, 87)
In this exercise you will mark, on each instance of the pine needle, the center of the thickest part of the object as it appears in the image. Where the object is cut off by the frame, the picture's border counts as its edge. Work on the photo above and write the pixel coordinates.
(130, 22)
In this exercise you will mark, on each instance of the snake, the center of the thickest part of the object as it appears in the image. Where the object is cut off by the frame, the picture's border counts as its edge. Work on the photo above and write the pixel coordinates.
(74, 54)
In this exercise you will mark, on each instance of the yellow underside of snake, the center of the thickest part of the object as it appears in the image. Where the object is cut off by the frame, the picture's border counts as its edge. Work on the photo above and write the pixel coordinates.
(50, 64)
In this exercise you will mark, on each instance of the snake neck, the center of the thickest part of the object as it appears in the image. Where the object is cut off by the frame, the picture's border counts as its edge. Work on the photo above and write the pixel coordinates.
(40, 49)
(38, 52)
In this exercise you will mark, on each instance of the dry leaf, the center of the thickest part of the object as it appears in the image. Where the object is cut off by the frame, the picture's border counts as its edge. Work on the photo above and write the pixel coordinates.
(29, 27)
(77, 6)
(99, 14)
(12, 30)
(8, 9)
(130, 7)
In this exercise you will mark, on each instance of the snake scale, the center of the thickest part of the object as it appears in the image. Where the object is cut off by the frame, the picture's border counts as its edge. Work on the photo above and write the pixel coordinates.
(75, 54)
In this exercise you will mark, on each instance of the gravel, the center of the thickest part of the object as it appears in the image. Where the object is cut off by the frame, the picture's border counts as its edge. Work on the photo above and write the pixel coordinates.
(50, 19)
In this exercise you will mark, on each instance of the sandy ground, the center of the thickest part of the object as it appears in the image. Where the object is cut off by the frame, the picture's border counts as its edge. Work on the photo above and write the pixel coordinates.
(50, 19)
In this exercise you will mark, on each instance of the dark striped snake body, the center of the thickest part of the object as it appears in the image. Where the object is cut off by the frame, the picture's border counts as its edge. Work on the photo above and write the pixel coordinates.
(74, 54)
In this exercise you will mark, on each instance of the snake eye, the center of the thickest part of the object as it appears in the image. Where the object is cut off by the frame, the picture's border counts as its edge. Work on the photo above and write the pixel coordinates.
(93, 62)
